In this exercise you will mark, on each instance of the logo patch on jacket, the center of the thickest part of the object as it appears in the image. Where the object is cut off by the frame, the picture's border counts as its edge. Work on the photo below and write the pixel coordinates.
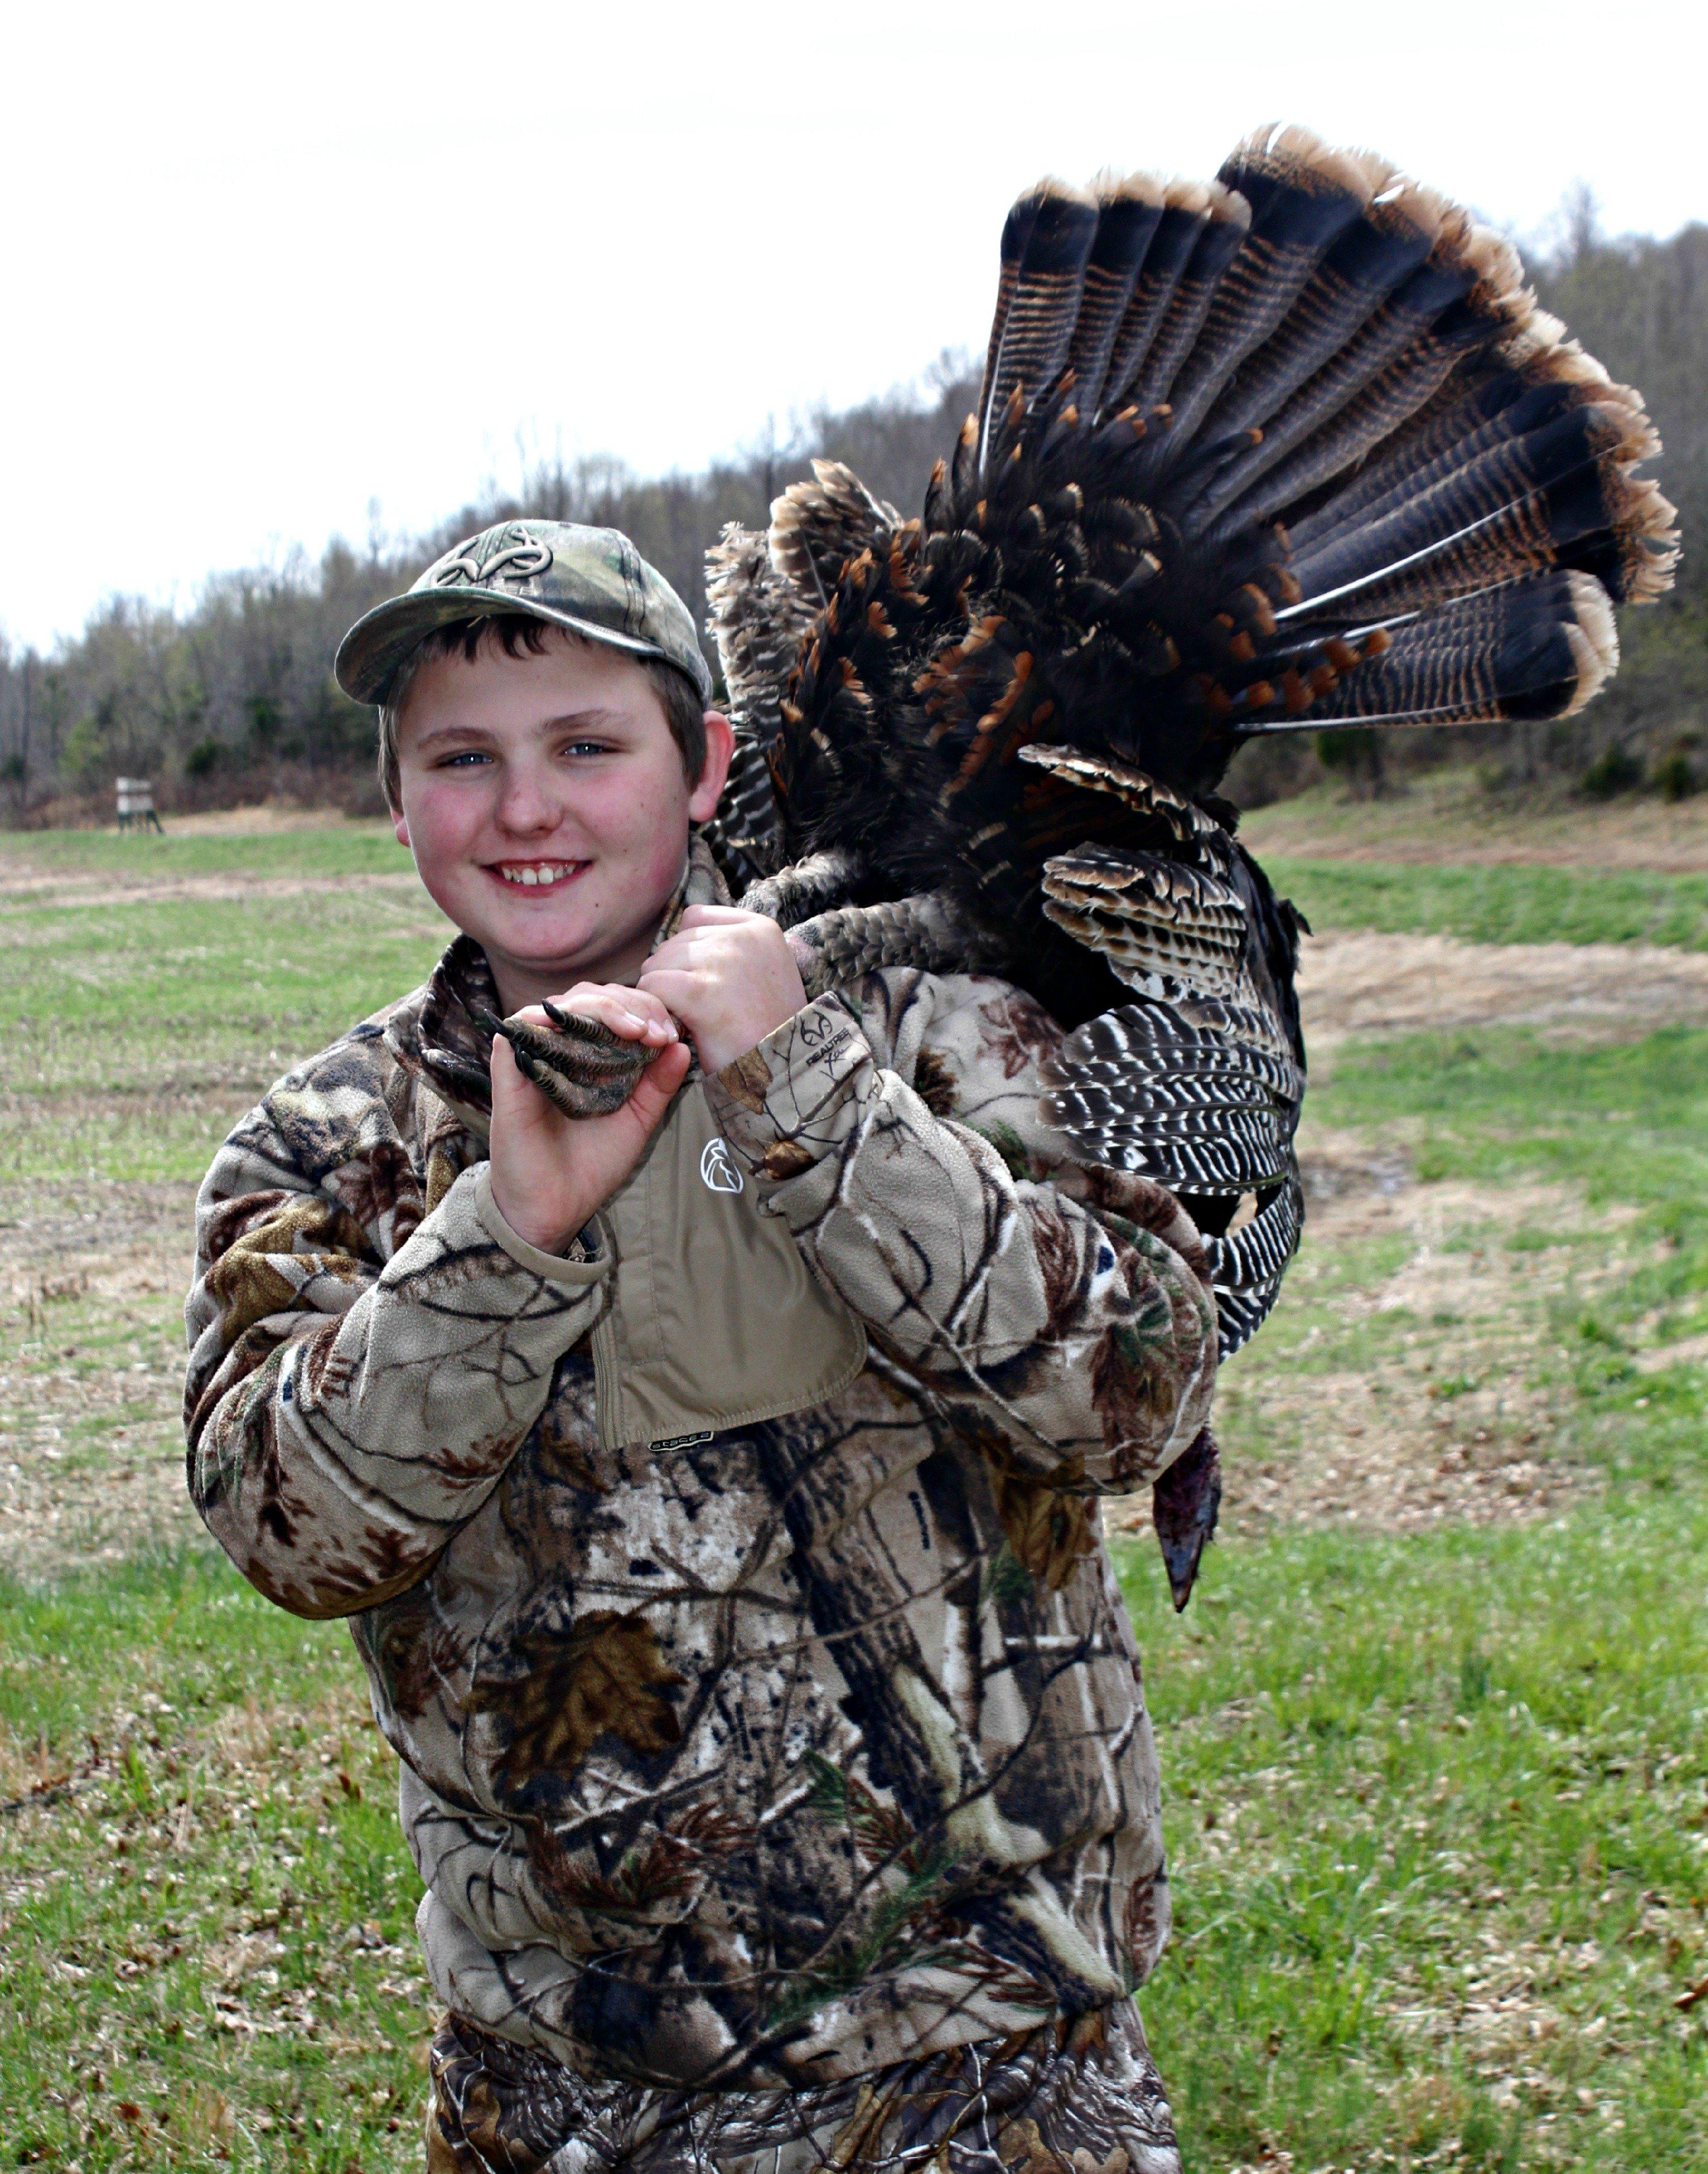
(717, 1169)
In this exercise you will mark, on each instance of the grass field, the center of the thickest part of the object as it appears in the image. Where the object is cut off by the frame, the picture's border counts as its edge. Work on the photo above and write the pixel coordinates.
(1434, 1729)
(1500, 903)
(309, 853)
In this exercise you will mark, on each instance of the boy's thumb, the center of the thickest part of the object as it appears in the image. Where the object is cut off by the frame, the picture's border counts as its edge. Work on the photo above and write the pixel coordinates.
(657, 1086)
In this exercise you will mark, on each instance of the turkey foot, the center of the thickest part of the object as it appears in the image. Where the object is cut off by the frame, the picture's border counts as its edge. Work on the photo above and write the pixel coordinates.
(1183, 1507)
(581, 1066)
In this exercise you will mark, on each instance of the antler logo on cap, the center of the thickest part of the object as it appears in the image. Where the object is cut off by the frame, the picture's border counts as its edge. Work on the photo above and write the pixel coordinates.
(507, 554)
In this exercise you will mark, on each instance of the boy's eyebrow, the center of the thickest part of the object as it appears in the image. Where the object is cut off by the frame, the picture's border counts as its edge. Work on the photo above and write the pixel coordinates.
(456, 728)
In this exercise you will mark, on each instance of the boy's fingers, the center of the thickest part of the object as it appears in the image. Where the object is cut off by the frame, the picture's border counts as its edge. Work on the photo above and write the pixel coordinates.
(656, 1013)
(674, 987)
(618, 996)
(714, 916)
(676, 953)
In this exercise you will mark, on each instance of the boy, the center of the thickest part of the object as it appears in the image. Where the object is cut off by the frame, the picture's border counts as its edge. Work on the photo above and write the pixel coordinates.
(711, 1486)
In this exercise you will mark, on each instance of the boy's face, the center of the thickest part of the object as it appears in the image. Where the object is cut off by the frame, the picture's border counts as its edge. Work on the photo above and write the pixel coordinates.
(544, 800)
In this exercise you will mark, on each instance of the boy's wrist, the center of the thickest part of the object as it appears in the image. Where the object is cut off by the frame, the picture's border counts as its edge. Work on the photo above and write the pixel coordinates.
(544, 1235)
(558, 1263)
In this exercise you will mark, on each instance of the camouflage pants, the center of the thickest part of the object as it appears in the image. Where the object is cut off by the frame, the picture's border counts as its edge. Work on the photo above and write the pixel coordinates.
(1084, 2098)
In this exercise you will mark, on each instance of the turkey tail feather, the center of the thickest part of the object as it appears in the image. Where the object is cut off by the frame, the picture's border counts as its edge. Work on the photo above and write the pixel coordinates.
(1303, 196)
(1053, 234)
(1202, 225)
(1128, 214)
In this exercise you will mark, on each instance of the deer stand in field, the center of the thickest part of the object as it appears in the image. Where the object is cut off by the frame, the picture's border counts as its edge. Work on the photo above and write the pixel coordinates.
(136, 800)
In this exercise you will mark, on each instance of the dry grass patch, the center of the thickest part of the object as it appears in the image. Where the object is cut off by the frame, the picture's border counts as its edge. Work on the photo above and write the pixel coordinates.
(1448, 815)
(1411, 1373)
(92, 1284)
(1362, 982)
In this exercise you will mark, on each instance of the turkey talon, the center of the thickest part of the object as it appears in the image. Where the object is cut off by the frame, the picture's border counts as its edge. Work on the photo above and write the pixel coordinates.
(581, 1066)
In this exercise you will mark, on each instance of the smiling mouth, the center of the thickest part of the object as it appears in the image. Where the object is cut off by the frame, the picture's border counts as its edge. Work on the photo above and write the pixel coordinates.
(535, 875)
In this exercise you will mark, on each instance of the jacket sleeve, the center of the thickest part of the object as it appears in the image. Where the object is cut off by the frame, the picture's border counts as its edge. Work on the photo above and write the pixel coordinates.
(1071, 1307)
(360, 1379)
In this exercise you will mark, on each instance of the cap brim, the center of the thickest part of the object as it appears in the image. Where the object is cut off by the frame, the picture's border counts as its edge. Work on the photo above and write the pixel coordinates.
(370, 653)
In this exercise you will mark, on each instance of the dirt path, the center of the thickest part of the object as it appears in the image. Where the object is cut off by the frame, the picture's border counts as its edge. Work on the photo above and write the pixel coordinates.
(1353, 981)
(1447, 819)
(49, 887)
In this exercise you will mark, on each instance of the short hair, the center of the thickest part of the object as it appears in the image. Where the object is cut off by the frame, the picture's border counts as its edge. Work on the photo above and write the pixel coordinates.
(519, 632)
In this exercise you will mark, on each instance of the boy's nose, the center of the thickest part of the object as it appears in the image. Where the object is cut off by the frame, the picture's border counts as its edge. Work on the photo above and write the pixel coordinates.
(529, 803)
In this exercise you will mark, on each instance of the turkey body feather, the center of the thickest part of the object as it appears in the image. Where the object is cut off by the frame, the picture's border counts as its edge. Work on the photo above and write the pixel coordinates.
(1292, 447)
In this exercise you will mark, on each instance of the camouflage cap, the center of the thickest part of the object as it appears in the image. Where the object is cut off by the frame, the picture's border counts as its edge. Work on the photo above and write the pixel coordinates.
(592, 581)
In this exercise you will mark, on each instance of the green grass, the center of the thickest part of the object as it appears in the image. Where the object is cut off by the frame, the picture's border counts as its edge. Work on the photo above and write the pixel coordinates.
(319, 850)
(210, 1951)
(135, 1034)
(1406, 1777)
(1630, 1121)
(1500, 903)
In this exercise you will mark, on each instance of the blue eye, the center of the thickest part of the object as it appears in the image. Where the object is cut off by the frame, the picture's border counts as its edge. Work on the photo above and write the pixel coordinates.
(466, 755)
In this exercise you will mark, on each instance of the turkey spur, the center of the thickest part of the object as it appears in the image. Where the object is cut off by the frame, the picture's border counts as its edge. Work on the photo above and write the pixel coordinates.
(1290, 448)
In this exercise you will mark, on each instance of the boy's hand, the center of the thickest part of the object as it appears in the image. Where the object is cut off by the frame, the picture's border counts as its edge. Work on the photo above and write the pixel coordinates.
(549, 1173)
(729, 976)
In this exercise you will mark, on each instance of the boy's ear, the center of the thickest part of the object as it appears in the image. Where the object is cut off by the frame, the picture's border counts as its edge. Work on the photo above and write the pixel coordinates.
(719, 752)
(400, 827)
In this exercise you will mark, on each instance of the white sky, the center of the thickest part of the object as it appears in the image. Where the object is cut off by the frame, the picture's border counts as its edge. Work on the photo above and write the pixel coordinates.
(266, 267)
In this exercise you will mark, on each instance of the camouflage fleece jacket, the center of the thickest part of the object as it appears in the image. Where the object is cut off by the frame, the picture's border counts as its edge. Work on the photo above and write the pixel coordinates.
(802, 1737)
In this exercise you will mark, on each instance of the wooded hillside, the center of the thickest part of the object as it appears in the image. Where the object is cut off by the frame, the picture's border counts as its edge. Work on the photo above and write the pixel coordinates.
(235, 699)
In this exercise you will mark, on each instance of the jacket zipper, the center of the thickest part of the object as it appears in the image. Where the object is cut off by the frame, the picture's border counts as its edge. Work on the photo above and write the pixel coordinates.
(607, 1378)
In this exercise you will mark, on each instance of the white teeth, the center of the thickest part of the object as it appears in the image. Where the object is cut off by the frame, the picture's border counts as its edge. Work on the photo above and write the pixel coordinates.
(533, 872)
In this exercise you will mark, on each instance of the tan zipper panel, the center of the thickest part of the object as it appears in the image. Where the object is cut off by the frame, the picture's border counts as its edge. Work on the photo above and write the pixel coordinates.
(716, 1320)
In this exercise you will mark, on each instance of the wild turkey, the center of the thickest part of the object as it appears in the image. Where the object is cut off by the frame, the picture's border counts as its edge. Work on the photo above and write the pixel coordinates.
(1291, 448)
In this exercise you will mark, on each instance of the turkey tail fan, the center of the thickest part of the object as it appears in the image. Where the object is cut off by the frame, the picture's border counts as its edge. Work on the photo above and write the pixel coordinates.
(1334, 394)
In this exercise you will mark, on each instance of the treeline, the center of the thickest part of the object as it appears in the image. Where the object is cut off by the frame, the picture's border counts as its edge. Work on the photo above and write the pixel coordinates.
(235, 700)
